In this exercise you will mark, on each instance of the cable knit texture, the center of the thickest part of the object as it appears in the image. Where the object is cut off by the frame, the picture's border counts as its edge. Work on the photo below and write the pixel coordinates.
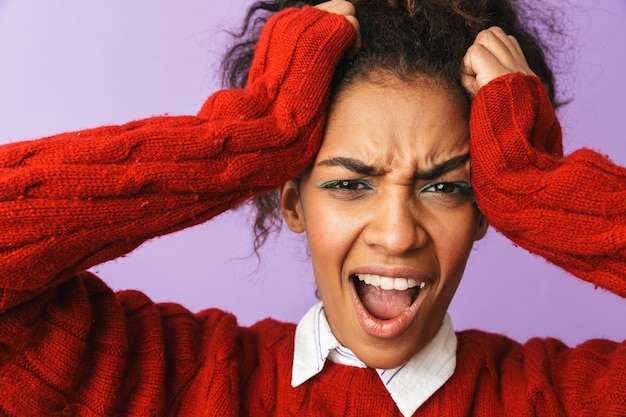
(69, 346)
(570, 210)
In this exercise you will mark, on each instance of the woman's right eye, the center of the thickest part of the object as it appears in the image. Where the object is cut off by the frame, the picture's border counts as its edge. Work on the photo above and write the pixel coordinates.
(347, 186)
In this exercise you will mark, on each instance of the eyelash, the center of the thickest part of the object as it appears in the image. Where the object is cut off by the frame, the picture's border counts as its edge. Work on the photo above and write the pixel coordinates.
(346, 185)
(462, 187)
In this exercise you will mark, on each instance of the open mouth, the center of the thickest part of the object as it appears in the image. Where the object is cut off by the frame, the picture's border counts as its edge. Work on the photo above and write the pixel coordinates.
(386, 298)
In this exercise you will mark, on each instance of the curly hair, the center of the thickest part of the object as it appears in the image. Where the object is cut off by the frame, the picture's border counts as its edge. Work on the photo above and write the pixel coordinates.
(406, 38)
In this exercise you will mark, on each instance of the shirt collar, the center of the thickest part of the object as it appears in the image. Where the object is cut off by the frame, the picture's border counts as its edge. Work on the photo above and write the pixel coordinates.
(409, 385)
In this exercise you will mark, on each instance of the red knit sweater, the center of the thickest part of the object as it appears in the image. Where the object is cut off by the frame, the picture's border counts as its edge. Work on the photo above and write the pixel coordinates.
(70, 346)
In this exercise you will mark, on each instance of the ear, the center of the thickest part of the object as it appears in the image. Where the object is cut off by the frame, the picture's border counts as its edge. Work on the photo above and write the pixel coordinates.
(291, 207)
(481, 227)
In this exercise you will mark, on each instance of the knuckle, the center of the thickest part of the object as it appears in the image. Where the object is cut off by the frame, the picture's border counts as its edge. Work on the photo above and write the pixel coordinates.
(484, 36)
(497, 30)
(347, 8)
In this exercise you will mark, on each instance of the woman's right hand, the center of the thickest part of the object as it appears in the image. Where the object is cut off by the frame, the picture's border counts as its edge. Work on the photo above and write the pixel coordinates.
(280, 114)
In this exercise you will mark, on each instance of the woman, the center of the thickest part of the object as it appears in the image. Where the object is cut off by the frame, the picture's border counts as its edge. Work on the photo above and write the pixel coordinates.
(386, 198)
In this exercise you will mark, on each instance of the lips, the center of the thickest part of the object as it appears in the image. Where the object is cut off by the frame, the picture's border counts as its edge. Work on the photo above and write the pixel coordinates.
(386, 305)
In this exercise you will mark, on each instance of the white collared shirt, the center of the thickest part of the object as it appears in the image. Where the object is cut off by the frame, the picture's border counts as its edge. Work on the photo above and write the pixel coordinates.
(409, 385)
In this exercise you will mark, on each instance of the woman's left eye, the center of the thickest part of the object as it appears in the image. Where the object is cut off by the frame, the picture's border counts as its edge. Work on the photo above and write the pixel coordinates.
(462, 188)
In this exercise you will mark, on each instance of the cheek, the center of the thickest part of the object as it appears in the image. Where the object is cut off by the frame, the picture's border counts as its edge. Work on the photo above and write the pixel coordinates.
(330, 236)
(330, 229)
(453, 242)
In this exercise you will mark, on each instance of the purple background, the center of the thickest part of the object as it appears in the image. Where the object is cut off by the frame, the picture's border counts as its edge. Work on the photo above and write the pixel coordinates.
(70, 64)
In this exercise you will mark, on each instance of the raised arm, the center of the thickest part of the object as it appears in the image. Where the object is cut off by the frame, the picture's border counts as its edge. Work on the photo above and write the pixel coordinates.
(72, 201)
(570, 210)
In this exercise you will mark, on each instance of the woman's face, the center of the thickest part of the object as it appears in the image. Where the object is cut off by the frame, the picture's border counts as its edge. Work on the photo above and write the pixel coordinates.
(388, 214)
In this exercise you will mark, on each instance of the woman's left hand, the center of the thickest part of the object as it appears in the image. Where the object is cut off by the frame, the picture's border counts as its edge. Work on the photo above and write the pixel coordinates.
(493, 54)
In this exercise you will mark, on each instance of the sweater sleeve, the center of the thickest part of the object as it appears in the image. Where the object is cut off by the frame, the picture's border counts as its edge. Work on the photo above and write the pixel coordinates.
(570, 210)
(75, 200)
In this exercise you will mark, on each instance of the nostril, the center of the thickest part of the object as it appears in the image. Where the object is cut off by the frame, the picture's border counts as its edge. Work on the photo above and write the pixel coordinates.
(395, 237)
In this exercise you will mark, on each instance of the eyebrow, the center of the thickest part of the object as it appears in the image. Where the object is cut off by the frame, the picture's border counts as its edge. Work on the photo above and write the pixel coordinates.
(443, 167)
(350, 164)
(361, 168)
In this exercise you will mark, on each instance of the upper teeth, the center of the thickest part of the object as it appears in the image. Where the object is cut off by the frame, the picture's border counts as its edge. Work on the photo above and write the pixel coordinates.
(387, 283)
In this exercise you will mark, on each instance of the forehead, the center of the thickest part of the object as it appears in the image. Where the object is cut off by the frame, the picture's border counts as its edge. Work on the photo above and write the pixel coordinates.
(388, 120)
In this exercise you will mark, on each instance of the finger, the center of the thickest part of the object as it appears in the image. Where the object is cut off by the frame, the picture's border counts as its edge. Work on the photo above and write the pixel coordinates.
(328, 3)
(496, 42)
(480, 66)
(509, 42)
(341, 7)
(503, 40)
(505, 48)
(519, 53)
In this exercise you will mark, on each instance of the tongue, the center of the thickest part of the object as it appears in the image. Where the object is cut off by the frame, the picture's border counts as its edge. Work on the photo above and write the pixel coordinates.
(384, 304)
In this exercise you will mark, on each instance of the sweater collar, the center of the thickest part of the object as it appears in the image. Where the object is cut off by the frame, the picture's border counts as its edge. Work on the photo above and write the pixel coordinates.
(409, 385)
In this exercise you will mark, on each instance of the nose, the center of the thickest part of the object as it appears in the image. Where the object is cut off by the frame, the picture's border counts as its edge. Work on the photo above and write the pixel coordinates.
(394, 227)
